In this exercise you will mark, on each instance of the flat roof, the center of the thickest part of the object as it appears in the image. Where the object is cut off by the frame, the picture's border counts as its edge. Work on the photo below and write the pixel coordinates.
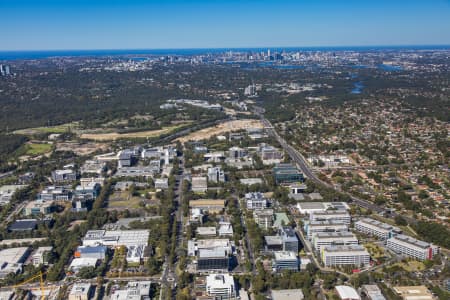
(13, 255)
(345, 248)
(411, 240)
(283, 255)
(347, 292)
(292, 294)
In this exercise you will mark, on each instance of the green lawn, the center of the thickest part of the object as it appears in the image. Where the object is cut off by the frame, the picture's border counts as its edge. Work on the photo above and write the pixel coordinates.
(48, 129)
(37, 149)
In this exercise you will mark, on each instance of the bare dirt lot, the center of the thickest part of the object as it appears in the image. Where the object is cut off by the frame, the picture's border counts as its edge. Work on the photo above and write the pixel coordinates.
(81, 148)
(222, 128)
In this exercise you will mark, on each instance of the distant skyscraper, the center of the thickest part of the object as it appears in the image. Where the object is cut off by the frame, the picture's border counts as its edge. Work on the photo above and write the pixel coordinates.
(7, 72)
(2, 72)
(268, 52)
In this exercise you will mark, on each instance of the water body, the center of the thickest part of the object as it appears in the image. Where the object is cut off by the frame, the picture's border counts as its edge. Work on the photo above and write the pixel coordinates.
(358, 88)
(390, 68)
(38, 54)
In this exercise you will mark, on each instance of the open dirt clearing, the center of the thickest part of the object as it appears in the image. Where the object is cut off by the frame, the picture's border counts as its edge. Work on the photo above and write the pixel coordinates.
(222, 128)
(110, 136)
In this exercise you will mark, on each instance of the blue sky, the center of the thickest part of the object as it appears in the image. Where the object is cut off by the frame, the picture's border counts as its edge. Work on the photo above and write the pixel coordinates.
(126, 24)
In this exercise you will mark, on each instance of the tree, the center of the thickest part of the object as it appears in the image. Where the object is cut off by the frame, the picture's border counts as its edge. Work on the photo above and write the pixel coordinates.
(399, 220)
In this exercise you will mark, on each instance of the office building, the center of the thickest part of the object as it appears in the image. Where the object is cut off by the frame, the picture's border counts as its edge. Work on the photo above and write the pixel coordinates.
(324, 239)
(63, 176)
(273, 243)
(264, 218)
(312, 227)
(38, 207)
(307, 208)
(255, 200)
(81, 291)
(39, 257)
(115, 238)
(97, 252)
(289, 238)
(215, 259)
(375, 228)
(216, 174)
(406, 245)
(199, 184)
(211, 206)
(338, 215)
(354, 255)
(225, 229)
(135, 290)
(195, 245)
(287, 174)
(221, 287)
(285, 260)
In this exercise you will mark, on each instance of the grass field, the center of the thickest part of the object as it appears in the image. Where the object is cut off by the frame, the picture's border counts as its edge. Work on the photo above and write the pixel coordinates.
(123, 200)
(48, 129)
(110, 136)
(411, 265)
(37, 149)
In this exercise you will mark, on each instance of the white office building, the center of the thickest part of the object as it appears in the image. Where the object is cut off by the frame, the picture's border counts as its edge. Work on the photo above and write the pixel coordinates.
(338, 215)
(353, 255)
(324, 239)
(255, 201)
(375, 228)
(312, 227)
(221, 286)
(285, 260)
(409, 246)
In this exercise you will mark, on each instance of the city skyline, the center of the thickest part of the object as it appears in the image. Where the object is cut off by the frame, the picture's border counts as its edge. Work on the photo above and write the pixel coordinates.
(79, 25)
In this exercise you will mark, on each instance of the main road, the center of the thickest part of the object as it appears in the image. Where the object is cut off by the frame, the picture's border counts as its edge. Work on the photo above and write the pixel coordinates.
(302, 164)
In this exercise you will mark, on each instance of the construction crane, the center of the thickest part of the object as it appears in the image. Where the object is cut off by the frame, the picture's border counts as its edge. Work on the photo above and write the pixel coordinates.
(41, 280)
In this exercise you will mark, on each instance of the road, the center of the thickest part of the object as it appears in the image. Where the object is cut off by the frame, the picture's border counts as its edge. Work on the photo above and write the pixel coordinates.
(302, 164)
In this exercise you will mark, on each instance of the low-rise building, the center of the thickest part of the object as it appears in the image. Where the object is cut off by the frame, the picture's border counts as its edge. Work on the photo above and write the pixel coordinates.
(81, 291)
(161, 183)
(346, 292)
(372, 292)
(55, 193)
(78, 263)
(285, 260)
(38, 207)
(216, 174)
(411, 247)
(195, 245)
(93, 167)
(353, 255)
(63, 176)
(289, 238)
(209, 205)
(199, 184)
(135, 290)
(213, 259)
(206, 231)
(221, 286)
(39, 257)
(135, 254)
(255, 201)
(287, 174)
(98, 252)
(291, 294)
(115, 238)
(225, 229)
(273, 243)
(7, 191)
(307, 208)
(12, 260)
(413, 292)
(264, 218)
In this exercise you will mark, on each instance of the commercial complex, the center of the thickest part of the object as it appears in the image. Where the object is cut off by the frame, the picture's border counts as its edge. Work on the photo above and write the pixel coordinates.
(255, 201)
(221, 286)
(324, 239)
(312, 227)
(409, 246)
(135, 290)
(264, 218)
(81, 291)
(286, 174)
(338, 215)
(375, 228)
(285, 260)
(307, 208)
(355, 255)
(115, 238)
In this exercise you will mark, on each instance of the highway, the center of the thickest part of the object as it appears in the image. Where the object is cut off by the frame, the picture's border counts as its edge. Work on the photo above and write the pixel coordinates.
(302, 164)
